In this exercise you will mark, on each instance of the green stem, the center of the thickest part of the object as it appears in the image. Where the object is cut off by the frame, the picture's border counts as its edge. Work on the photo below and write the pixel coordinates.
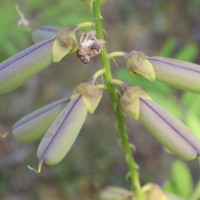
(117, 54)
(132, 166)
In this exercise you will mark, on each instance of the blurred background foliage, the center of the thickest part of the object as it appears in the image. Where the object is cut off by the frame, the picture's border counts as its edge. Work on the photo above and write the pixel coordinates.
(164, 28)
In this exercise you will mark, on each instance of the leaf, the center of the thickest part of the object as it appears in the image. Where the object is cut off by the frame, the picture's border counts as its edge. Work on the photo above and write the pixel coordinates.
(188, 53)
(182, 179)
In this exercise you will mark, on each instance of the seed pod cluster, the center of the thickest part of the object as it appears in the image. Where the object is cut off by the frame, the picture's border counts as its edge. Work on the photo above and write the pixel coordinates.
(19, 68)
(169, 130)
(35, 125)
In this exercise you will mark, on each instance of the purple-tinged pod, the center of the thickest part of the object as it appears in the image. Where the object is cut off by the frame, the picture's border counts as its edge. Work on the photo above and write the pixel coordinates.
(169, 130)
(44, 32)
(19, 68)
(180, 74)
(35, 125)
(62, 133)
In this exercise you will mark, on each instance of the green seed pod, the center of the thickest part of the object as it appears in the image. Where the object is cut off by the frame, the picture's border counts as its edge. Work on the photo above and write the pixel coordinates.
(180, 74)
(169, 130)
(19, 68)
(44, 32)
(35, 125)
(62, 133)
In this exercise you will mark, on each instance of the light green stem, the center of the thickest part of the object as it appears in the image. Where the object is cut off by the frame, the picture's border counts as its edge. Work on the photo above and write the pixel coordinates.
(132, 166)
(117, 54)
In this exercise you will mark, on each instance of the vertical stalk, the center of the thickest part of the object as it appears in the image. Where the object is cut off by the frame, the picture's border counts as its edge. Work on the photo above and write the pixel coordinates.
(132, 166)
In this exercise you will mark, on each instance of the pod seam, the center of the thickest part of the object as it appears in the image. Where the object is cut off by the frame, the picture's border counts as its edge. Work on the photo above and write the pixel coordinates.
(15, 60)
(54, 106)
(155, 59)
(41, 159)
(170, 126)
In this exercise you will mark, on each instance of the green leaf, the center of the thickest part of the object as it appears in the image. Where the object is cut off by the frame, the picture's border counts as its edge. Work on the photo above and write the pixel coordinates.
(188, 53)
(193, 123)
(168, 47)
(182, 179)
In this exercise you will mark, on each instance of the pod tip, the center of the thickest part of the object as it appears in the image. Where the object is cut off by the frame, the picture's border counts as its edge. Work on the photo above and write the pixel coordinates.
(36, 170)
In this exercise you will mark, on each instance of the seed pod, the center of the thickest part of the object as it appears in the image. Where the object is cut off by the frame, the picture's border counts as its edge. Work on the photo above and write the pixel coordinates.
(19, 68)
(44, 32)
(169, 130)
(62, 133)
(35, 125)
(180, 74)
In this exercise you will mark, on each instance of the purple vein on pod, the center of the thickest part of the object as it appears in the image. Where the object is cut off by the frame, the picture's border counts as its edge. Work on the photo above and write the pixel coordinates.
(171, 126)
(58, 130)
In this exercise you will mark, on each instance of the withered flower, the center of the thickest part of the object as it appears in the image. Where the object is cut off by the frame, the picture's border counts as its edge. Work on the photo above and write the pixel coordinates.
(90, 46)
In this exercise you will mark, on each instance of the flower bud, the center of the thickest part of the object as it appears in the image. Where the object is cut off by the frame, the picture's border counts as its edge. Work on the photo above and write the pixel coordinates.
(35, 125)
(44, 32)
(62, 133)
(169, 130)
(19, 68)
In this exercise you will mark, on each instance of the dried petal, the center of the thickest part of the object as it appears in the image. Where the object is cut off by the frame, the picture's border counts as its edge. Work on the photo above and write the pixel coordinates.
(35, 125)
(62, 133)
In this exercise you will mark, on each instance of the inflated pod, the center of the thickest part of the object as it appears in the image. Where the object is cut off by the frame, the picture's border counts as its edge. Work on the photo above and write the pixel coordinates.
(169, 130)
(19, 68)
(62, 133)
(35, 125)
(44, 32)
(180, 74)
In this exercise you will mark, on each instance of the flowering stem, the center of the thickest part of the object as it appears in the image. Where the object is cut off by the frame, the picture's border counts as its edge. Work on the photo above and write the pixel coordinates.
(132, 166)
